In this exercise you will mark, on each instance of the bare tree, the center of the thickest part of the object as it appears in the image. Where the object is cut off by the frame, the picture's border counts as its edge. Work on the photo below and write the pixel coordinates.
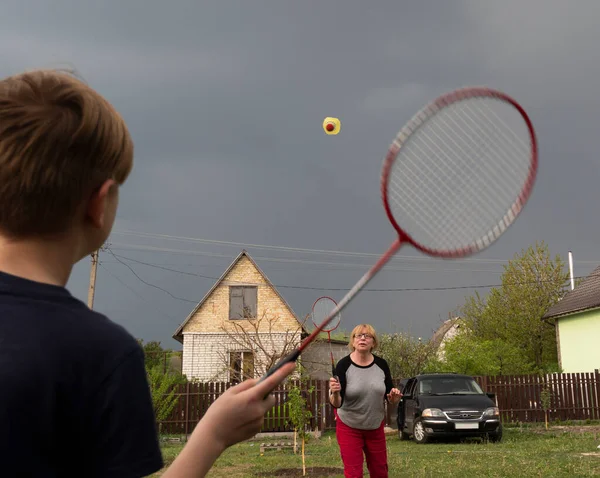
(253, 346)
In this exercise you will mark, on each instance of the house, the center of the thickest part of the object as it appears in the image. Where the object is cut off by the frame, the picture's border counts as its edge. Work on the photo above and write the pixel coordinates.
(448, 330)
(241, 327)
(317, 357)
(576, 318)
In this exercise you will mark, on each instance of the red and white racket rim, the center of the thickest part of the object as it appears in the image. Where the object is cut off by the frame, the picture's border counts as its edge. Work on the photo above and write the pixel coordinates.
(334, 320)
(421, 118)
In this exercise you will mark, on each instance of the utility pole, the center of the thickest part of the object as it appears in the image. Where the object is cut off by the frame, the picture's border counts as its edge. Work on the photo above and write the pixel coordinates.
(571, 270)
(92, 288)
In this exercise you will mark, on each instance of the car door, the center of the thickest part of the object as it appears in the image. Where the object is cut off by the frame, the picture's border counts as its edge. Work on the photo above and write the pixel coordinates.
(409, 404)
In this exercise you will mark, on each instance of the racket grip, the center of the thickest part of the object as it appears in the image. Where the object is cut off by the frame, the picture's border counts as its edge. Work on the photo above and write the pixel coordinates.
(291, 357)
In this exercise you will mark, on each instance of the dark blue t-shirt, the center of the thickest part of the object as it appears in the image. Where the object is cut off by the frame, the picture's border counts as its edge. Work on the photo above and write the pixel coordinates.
(74, 396)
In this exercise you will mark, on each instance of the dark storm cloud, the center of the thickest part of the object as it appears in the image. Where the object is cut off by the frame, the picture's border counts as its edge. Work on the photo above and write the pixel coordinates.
(225, 101)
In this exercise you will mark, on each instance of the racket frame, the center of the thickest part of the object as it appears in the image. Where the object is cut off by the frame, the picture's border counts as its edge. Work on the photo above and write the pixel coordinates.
(418, 120)
(478, 245)
(328, 330)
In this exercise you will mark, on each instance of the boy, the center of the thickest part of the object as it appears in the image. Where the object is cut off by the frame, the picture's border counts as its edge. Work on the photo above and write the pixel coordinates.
(74, 398)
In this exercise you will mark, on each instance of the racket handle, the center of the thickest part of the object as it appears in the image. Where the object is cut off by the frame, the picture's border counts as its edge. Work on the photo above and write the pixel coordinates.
(291, 357)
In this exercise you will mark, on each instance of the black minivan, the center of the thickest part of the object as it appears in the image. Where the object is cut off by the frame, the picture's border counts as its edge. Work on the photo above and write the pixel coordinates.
(447, 405)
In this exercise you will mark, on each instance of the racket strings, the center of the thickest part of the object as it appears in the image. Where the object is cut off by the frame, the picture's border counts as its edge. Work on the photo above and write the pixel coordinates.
(458, 175)
(321, 310)
(518, 149)
(488, 144)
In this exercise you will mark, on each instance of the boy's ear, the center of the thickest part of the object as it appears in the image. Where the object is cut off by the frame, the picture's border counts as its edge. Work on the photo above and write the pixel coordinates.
(99, 201)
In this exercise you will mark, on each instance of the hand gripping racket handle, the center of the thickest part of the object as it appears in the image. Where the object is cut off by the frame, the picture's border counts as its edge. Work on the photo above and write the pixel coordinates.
(291, 357)
(366, 278)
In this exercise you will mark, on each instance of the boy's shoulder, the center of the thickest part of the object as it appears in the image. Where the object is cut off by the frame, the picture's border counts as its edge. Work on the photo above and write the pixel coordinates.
(46, 319)
(67, 370)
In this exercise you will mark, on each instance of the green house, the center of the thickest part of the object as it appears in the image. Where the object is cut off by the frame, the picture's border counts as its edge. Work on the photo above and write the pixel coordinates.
(576, 318)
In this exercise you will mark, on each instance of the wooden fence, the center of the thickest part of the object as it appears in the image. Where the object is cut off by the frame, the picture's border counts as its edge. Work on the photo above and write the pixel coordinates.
(572, 396)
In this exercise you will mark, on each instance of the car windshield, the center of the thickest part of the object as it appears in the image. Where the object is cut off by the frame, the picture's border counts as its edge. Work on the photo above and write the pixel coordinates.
(449, 386)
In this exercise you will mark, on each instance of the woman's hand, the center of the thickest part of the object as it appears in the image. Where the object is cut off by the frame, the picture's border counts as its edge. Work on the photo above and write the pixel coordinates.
(334, 385)
(334, 392)
(394, 396)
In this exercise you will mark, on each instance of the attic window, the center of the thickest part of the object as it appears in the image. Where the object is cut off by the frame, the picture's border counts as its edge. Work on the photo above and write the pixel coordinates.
(242, 302)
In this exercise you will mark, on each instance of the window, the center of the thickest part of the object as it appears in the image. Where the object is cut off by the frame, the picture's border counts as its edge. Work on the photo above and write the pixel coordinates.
(242, 302)
(444, 386)
(241, 366)
(409, 388)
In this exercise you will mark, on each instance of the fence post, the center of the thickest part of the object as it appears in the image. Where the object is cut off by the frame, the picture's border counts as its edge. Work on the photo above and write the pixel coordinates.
(187, 409)
(322, 405)
(597, 380)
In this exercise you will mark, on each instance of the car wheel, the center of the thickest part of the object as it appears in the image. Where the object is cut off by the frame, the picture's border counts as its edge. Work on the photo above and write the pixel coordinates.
(419, 432)
(496, 437)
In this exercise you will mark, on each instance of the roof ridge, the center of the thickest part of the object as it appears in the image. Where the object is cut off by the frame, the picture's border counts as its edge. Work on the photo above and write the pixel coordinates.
(584, 297)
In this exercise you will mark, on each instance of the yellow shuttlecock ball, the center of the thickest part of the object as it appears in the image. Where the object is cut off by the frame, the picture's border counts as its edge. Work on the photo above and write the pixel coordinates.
(331, 125)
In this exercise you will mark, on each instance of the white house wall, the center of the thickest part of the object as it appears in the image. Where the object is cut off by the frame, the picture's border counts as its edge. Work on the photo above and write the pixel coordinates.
(205, 356)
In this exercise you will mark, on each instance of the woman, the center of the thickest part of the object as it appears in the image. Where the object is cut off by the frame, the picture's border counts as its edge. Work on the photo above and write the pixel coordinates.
(363, 382)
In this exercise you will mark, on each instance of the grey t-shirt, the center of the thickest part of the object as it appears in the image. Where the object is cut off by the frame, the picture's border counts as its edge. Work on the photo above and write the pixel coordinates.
(364, 390)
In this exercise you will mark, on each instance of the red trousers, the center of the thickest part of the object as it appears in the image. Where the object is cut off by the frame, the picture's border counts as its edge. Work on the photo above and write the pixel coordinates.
(353, 442)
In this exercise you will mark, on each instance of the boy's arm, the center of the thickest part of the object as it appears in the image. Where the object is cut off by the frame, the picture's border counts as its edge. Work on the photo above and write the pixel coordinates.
(124, 431)
(235, 416)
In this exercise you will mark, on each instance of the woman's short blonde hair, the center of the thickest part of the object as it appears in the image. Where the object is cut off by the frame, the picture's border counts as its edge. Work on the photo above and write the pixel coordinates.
(357, 330)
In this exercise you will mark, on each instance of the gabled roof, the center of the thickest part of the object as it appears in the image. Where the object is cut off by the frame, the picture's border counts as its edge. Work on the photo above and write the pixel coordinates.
(440, 333)
(584, 297)
(178, 333)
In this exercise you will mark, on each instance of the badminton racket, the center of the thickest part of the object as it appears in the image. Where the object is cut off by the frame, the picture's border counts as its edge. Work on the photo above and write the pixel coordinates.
(454, 179)
(321, 309)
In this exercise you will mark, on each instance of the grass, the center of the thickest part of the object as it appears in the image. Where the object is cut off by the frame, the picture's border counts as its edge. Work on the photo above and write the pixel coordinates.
(528, 451)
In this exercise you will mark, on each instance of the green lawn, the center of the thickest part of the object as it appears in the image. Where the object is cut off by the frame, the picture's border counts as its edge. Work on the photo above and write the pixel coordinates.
(524, 452)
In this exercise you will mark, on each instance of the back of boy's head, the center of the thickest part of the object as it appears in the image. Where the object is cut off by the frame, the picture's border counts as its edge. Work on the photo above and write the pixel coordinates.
(59, 141)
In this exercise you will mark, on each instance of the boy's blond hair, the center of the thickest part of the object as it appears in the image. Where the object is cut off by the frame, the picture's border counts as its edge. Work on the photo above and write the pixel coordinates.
(59, 141)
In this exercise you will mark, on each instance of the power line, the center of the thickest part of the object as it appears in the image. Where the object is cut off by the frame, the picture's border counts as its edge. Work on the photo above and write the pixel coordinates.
(127, 286)
(342, 265)
(148, 283)
(397, 257)
(122, 282)
(279, 286)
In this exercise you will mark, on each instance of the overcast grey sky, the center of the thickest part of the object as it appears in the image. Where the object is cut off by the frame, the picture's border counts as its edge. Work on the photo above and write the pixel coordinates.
(225, 102)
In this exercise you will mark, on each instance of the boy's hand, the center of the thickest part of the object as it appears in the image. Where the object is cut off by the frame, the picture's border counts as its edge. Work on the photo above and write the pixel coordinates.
(238, 414)
(235, 416)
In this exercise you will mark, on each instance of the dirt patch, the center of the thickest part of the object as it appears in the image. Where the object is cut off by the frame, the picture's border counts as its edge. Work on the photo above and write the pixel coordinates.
(310, 471)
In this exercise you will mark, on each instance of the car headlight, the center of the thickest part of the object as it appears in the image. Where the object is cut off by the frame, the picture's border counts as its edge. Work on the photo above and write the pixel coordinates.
(492, 412)
(432, 412)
